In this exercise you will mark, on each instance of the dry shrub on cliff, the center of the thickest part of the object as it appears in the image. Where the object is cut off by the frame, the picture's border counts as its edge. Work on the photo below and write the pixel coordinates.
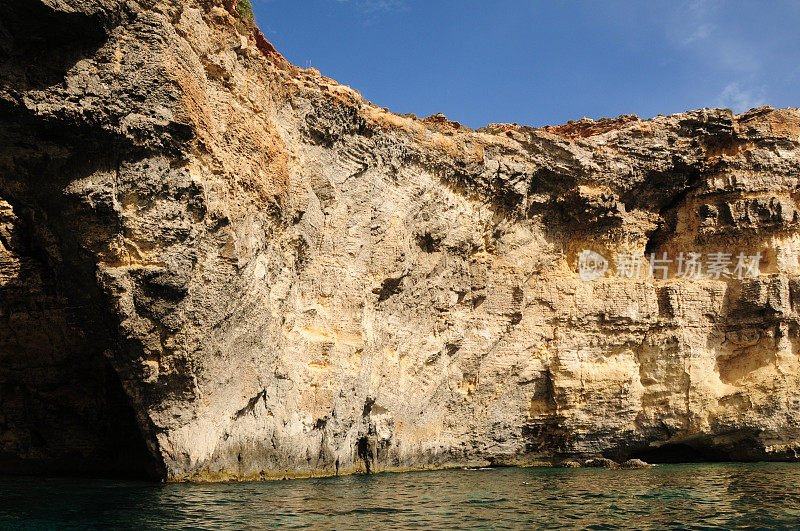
(245, 12)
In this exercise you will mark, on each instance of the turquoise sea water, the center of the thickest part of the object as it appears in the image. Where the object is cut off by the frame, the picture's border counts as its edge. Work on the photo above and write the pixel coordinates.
(696, 496)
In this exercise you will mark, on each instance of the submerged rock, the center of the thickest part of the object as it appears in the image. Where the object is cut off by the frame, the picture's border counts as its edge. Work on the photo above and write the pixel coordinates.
(600, 462)
(635, 464)
(229, 267)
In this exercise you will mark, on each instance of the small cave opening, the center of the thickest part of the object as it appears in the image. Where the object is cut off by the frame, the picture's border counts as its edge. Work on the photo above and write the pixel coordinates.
(673, 453)
(364, 448)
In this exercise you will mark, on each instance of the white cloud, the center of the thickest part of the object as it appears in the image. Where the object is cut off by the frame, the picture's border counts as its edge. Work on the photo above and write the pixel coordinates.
(372, 6)
(699, 32)
(741, 98)
(700, 27)
(370, 11)
(693, 22)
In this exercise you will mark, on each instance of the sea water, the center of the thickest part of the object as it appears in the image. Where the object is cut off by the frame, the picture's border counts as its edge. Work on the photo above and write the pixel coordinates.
(694, 496)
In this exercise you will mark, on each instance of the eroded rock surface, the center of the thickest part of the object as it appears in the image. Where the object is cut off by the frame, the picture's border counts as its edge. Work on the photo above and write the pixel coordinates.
(288, 280)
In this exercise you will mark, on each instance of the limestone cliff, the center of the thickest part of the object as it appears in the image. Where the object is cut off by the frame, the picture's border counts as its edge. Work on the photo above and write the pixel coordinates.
(216, 265)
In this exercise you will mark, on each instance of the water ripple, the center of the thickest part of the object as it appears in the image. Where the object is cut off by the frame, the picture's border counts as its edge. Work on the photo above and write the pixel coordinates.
(702, 496)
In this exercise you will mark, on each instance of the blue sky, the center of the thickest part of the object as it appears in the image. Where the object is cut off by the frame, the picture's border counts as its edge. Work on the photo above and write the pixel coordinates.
(539, 62)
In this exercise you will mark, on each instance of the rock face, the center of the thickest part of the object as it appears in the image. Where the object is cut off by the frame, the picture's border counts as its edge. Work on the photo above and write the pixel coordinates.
(215, 265)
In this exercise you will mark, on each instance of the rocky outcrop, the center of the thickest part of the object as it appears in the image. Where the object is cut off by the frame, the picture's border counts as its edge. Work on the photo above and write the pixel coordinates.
(233, 268)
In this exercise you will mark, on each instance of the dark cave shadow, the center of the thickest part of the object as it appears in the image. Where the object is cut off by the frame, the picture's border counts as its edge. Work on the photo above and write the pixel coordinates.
(63, 408)
(39, 45)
